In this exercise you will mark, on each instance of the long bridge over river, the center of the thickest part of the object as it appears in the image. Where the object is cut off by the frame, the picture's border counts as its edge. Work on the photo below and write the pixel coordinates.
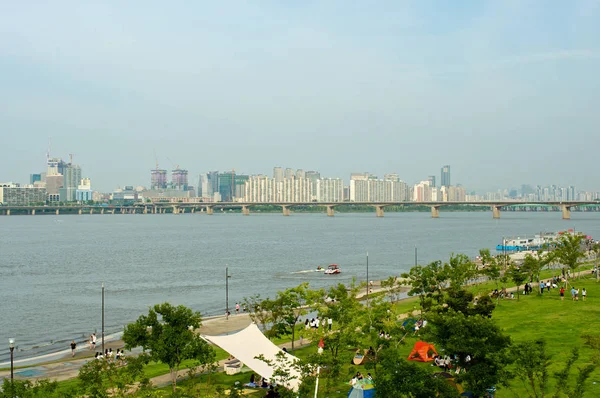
(209, 207)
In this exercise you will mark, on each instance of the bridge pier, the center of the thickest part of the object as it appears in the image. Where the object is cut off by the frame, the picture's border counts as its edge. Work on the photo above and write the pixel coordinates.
(330, 211)
(209, 210)
(91, 211)
(57, 212)
(379, 211)
(246, 210)
(285, 210)
(101, 211)
(566, 212)
(80, 211)
(8, 212)
(145, 210)
(175, 210)
(496, 211)
(33, 212)
(435, 211)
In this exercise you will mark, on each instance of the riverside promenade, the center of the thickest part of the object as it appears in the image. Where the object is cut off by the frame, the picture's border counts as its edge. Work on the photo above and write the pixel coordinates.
(68, 367)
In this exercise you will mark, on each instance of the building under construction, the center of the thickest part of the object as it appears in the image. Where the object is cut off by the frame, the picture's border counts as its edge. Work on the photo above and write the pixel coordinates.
(158, 179)
(179, 179)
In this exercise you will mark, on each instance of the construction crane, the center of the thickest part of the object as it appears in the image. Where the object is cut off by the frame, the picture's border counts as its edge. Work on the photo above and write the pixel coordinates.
(173, 163)
(71, 158)
(156, 160)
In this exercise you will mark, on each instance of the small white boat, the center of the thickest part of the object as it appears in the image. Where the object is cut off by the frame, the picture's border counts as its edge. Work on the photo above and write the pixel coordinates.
(333, 269)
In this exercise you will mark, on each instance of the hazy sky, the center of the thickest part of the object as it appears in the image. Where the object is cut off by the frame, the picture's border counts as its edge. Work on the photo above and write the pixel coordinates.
(506, 92)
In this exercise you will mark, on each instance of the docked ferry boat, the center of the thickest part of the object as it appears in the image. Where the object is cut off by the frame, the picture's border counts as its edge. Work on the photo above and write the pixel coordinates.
(536, 242)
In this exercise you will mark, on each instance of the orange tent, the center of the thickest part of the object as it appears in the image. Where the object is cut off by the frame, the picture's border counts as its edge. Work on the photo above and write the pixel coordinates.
(421, 352)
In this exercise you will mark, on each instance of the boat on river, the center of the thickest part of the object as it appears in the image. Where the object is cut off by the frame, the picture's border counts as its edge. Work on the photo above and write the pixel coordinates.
(333, 269)
(536, 242)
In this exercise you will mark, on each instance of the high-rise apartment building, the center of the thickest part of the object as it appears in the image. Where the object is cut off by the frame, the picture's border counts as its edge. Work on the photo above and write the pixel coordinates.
(445, 181)
(278, 174)
(72, 178)
(289, 173)
(330, 190)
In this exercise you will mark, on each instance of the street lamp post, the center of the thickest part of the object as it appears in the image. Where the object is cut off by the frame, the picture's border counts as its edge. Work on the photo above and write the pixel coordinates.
(227, 276)
(12, 349)
(103, 317)
(367, 279)
(416, 257)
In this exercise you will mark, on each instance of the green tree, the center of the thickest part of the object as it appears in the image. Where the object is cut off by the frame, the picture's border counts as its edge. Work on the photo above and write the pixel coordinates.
(392, 287)
(398, 378)
(103, 378)
(562, 377)
(517, 276)
(258, 310)
(479, 344)
(34, 389)
(459, 270)
(427, 282)
(167, 333)
(531, 366)
(290, 305)
(569, 251)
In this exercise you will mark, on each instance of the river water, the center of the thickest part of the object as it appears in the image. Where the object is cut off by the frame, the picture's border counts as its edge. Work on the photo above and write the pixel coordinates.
(52, 267)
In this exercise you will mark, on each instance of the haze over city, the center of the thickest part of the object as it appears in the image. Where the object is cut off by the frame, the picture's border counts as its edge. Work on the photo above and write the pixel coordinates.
(506, 92)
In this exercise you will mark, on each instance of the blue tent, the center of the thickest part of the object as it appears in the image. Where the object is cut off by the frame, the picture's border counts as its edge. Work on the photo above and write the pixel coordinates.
(362, 389)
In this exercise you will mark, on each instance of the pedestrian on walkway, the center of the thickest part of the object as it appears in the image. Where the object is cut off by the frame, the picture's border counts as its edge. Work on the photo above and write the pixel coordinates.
(237, 308)
(583, 294)
(92, 341)
(73, 347)
(542, 286)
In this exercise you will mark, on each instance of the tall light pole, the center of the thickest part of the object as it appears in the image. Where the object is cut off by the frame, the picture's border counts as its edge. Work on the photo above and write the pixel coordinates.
(12, 348)
(103, 318)
(415, 256)
(227, 276)
(367, 279)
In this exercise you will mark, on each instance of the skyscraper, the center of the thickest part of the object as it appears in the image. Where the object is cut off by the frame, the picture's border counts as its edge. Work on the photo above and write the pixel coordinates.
(445, 176)
(431, 180)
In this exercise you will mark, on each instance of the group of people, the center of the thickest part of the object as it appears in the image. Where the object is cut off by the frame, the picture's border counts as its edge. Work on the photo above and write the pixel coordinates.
(449, 362)
(262, 382)
(316, 322)
(358, 377)
(109, 355)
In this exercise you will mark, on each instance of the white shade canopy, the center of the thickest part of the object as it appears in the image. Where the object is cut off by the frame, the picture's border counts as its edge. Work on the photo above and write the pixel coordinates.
(249, 343)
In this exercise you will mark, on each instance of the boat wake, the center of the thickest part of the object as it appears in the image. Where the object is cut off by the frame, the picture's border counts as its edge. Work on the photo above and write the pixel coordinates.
(307, 271)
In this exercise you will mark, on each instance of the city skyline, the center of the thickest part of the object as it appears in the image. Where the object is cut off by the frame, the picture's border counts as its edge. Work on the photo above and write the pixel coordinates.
(502, 91)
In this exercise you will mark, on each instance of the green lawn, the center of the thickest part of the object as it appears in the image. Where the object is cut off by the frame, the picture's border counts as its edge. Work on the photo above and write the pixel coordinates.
(560, 323)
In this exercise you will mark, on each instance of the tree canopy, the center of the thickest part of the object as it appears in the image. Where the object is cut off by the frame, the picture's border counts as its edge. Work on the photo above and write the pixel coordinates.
(167, 334)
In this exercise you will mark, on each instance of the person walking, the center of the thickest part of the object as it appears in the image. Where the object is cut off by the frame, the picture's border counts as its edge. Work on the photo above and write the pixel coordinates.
(237, 308)
(583, 294)
(573, 293)
(330, 322)
(542, 286)
(73, 347)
